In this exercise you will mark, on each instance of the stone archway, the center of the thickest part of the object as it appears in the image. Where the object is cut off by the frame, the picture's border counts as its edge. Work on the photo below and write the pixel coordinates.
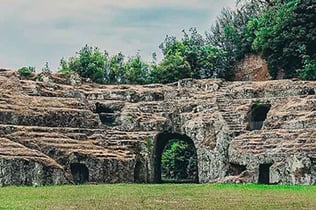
(160, 142)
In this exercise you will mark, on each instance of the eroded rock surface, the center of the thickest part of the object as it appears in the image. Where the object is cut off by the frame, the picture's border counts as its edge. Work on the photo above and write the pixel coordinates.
(50, 125)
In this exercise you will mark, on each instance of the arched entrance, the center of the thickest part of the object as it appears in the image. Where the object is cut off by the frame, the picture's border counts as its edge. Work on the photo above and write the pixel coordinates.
(80, 173)
(160, 142)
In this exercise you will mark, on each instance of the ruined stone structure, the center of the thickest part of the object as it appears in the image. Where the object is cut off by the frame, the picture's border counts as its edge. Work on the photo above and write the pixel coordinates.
(61, 130)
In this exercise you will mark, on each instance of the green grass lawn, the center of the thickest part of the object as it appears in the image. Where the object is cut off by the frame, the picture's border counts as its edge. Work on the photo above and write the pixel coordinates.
(165, 196)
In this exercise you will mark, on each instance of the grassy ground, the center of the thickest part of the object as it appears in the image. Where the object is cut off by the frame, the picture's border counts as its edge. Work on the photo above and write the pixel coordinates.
(165, 196)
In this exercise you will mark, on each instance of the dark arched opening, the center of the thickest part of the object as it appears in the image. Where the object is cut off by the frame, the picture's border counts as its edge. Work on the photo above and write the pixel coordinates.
(106, 114)
(257, 115)
(160, 143)
(80, 173)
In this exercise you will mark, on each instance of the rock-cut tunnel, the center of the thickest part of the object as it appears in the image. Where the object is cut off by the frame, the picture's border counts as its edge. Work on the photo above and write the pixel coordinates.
(160, 142)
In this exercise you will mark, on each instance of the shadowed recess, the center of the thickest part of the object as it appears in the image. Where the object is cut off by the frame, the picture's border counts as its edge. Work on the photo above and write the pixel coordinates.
(258, 115)
(264, 173)
(80, 173)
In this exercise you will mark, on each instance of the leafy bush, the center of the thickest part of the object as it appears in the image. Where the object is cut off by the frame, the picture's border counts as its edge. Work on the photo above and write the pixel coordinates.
(89, 64)
(309, 69)
(136, 71)
(179, 161)
(26, 71)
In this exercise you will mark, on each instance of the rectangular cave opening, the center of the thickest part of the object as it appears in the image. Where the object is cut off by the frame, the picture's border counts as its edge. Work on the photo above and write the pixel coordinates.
(80, 173)
(264, 173)
(257, 115)
(106, 114)
(236, 169)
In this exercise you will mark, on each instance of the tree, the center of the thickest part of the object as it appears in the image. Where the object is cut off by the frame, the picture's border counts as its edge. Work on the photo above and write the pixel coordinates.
(231, 34)
(115, 69)
(64, 67)
(309, 69)
(136, 71)
(201, 55)
(191, 49)
(90, 63)
(179, 160)
(286, 37)
(172, 68)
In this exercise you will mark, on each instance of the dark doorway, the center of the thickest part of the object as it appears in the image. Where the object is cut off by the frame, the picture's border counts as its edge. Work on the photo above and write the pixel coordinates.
(163, 141)
(139, 172)
(264, 174)
(257, 115)
(80, 173)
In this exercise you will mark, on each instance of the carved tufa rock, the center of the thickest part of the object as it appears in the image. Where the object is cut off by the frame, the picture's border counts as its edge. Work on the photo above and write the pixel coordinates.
(45, 127)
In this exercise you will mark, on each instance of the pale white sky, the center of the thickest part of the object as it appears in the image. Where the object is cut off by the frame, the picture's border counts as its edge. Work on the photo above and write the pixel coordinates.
(35, 31)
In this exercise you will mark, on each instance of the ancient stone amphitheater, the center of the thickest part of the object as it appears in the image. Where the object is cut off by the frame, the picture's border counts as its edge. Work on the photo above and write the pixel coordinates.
(58, 129)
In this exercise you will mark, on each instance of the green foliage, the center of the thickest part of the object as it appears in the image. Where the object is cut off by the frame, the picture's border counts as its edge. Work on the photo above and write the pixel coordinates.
(174, 65)
(115, 69)
(201, 56)
(309, 69)
(171, 69)
(149, 143)
(257, 103)
(179, 161)
(286, 37)
(233, 35)
(281, 31)
(273, 39)
(101, 68)
(89, 64)
(136, 71)
(26, 71)
(191, 56)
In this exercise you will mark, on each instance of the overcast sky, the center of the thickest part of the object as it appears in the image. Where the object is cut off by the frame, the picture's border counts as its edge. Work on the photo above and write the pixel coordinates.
(35, 31)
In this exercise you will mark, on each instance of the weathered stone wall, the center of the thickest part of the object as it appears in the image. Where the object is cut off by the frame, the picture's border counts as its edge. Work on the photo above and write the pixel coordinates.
(45, 126)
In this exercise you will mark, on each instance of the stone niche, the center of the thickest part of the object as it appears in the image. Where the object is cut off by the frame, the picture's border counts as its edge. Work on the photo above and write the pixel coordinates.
(80, 173)
(257, 115)
(107, 114)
